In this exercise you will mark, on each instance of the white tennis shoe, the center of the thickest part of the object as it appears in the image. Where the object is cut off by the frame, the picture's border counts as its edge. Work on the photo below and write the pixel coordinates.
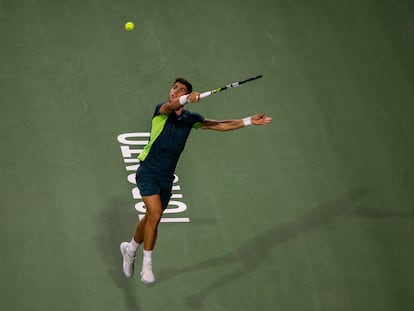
(147, 276)
(128, 260)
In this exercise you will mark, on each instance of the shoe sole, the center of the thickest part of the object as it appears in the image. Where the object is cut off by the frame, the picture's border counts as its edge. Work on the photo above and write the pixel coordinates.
(146, 282)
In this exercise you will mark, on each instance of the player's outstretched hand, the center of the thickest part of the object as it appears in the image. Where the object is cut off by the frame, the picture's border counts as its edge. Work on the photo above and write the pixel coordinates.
(261, 119)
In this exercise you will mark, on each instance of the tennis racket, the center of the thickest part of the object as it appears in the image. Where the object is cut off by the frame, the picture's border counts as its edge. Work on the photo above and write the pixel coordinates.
(183, 99)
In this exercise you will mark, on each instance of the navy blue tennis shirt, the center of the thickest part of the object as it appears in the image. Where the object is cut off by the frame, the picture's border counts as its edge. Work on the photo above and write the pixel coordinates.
(168, 136)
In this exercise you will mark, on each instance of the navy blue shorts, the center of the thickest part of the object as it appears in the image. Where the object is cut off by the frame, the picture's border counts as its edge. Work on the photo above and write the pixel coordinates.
(150, 184)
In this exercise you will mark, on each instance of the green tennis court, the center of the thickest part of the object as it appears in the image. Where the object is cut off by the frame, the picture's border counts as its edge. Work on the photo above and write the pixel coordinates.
(312, 212)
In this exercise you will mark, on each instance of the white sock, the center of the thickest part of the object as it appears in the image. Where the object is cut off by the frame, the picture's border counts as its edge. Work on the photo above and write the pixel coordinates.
(132, 247)
(147, 257)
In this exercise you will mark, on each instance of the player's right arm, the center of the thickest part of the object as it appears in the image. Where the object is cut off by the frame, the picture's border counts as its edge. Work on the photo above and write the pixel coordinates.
(174, 103)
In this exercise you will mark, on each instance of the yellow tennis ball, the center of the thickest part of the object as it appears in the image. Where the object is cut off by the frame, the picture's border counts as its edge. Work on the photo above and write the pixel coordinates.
(129, 26)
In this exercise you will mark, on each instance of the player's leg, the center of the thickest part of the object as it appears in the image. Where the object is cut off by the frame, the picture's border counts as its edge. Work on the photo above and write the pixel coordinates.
(152, 219)
(147, 227)
(139, 231)
(147, 186)
(146, 231)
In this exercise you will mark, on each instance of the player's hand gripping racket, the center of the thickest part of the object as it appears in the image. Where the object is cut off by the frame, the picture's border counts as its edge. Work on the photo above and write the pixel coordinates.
(183, 99)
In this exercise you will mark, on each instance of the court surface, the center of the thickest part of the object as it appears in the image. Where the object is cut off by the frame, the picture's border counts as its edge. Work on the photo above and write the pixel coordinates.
(312, 212)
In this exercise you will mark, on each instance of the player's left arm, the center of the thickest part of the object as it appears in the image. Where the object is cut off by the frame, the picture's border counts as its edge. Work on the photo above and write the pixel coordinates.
(228, 125)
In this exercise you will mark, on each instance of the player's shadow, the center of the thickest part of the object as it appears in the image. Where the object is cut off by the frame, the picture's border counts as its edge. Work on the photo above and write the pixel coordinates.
(114, 222)
(253, 252)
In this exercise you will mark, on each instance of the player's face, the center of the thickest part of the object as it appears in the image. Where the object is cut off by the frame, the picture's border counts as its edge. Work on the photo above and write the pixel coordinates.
(178, 89)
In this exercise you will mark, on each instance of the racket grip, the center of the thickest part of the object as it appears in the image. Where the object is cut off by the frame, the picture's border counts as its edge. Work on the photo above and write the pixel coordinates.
(183, 100)
(205, 94)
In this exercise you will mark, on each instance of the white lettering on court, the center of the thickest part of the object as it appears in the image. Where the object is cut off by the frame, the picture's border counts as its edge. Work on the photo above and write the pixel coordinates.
(132, 145)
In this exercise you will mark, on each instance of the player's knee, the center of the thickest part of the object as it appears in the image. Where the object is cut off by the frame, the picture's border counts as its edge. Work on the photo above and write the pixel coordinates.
(154, 217)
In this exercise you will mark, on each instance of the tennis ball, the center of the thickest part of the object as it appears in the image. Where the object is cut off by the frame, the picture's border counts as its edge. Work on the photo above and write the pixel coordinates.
(129, 26)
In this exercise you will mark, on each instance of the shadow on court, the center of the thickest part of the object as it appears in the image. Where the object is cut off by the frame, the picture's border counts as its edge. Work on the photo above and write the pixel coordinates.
(346, 205)
(111, 234)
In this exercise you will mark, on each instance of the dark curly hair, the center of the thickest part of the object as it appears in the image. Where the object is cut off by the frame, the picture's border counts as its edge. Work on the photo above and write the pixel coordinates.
(186, 83)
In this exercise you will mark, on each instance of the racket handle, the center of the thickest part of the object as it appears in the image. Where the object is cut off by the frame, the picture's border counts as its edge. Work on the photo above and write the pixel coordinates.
(183, 100)
(205, 94)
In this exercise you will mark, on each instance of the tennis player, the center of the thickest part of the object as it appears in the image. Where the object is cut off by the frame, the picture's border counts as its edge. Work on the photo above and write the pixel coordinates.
(171, 125)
